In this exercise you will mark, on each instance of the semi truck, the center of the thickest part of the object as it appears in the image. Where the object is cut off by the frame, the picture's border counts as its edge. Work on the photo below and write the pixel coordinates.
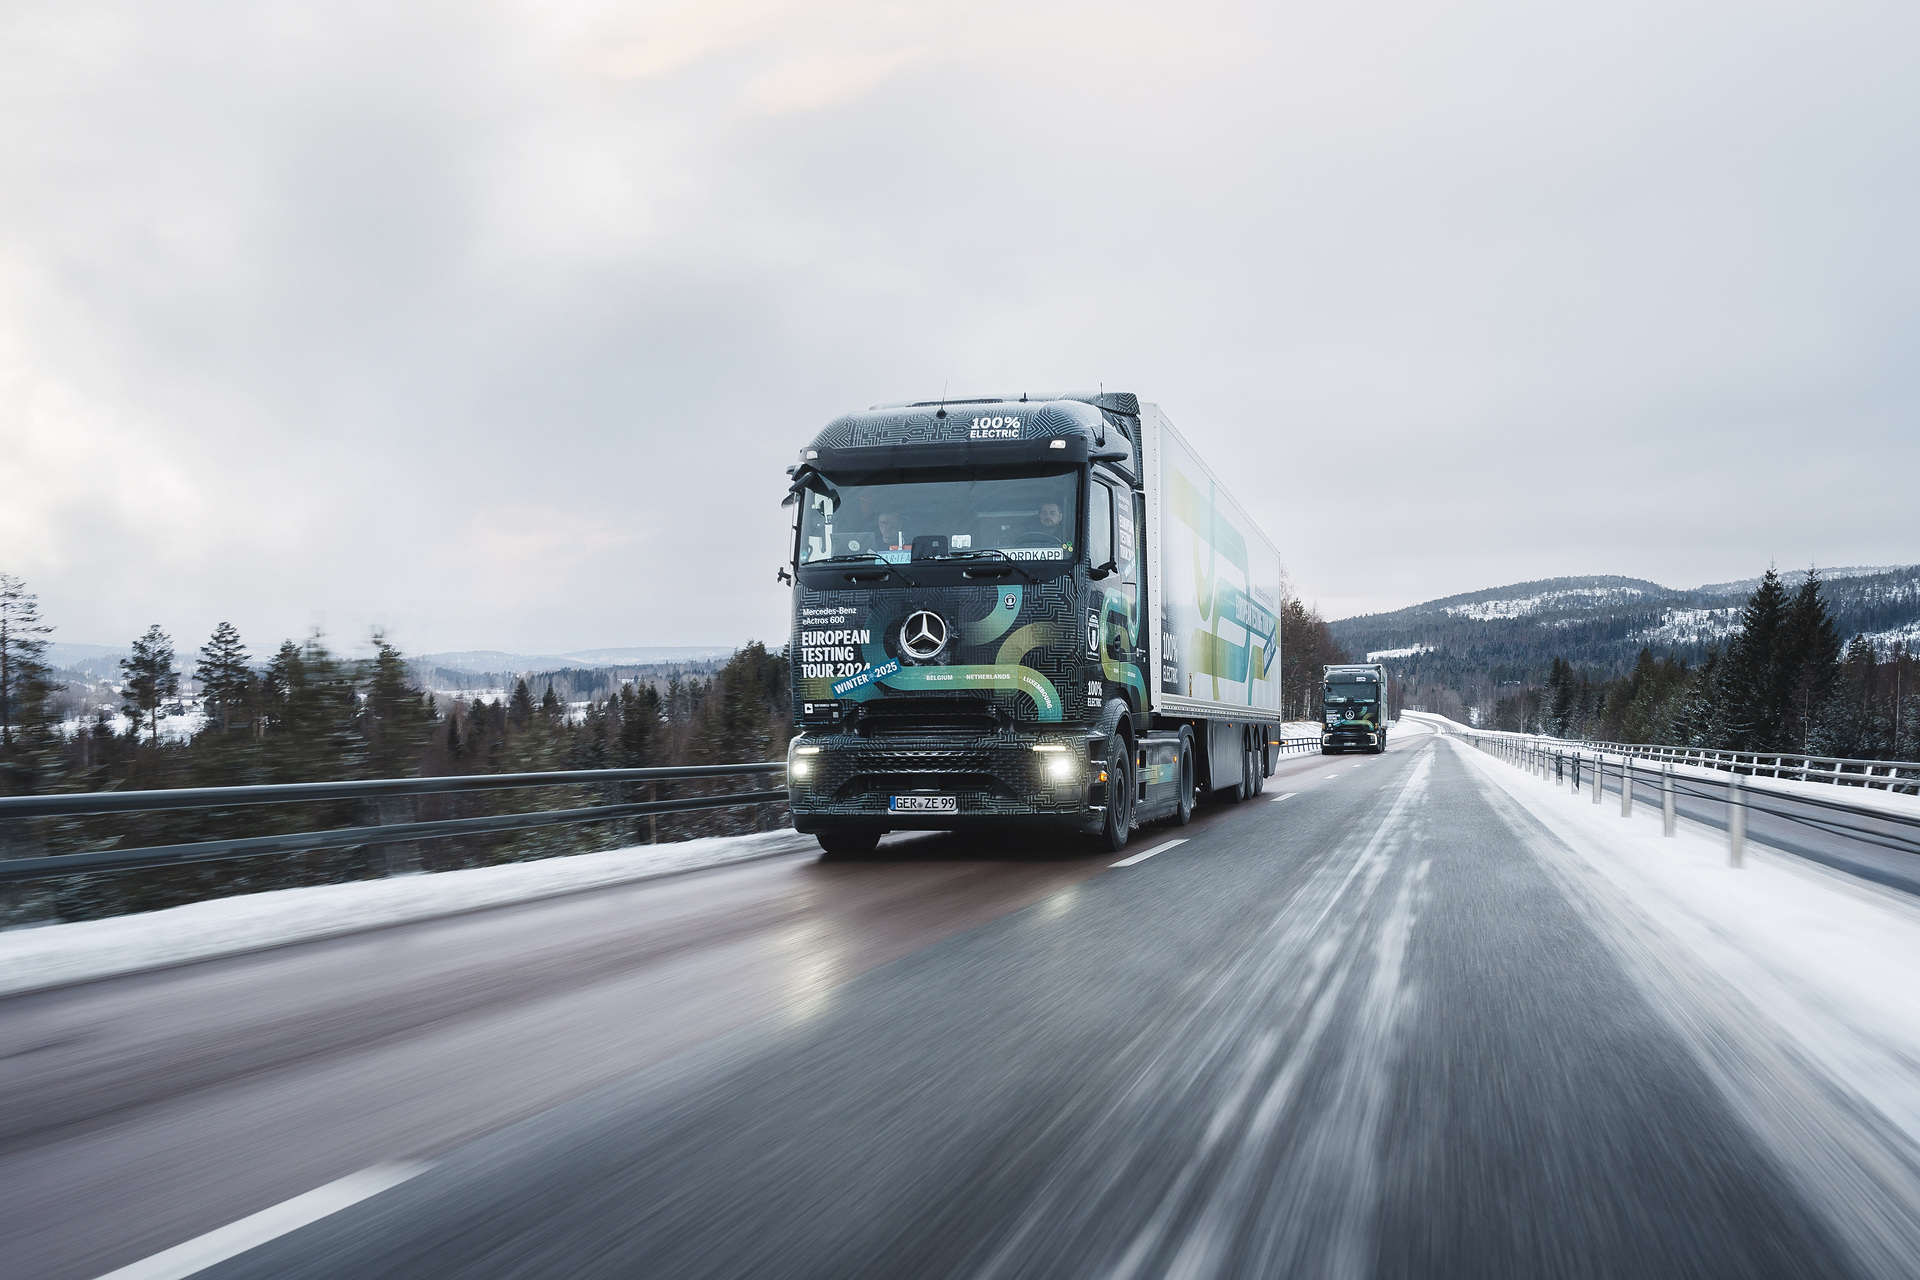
(1023, 613)
(1352, 696)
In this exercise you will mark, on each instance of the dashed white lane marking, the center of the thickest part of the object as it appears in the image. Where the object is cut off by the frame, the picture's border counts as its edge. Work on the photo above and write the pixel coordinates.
(1361, 765)
(1142, 857)
(1284, 796)
(1333, 775)
(289, 1215)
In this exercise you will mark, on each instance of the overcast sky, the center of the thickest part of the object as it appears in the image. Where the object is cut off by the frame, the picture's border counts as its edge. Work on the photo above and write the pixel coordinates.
(496, 325)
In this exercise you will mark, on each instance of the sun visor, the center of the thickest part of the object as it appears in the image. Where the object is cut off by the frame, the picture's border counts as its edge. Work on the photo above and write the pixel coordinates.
(960, 454)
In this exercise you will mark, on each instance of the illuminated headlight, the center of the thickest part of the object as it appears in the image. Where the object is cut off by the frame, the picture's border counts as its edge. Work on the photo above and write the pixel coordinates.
(801, 766)
(1060, 767)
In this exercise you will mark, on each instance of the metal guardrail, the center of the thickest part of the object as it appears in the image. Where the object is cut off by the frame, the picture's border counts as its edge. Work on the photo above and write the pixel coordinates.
(1289, 745)
(1901, 776)
(1564, 761)
(24, 807)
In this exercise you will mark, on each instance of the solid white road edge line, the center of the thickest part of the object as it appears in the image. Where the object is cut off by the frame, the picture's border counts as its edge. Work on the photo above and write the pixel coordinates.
(289, 1215)
(1285, 796)
(1142, 857)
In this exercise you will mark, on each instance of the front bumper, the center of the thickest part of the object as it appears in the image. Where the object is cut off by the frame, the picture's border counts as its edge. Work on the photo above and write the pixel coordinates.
(1349, 738)
(845, 782)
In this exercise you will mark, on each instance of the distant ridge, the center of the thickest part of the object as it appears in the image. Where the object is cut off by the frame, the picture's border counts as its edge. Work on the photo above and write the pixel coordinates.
(477, 660)
(1511, 634)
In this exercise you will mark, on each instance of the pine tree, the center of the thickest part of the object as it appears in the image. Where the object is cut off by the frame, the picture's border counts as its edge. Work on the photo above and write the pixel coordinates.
(520, 707)
(23, 668)
(1806, 666)
(226, 678)
(1752, 693)
(1561, 693)
(150, 677)
(395, 717)
(550, 705)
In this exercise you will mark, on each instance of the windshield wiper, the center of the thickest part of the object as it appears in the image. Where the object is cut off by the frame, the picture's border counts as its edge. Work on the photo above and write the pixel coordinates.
(874, 556)
(993, 551)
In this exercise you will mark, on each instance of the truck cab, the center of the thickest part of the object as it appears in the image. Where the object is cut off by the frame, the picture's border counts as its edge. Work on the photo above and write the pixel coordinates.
(1353, 696)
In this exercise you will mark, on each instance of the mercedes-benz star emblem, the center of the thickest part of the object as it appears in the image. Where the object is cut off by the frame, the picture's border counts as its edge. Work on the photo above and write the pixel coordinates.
(923, 635)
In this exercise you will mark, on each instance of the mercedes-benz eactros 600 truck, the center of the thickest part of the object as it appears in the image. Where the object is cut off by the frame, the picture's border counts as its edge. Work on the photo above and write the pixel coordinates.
(1354, 699)
(1016, 614)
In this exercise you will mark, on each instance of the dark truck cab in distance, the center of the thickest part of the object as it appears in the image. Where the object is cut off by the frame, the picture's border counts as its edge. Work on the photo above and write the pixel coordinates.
(1354, 698)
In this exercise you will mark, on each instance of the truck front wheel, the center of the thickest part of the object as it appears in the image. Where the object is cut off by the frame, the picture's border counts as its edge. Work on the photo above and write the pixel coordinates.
(1119, 819)
(1184, 814)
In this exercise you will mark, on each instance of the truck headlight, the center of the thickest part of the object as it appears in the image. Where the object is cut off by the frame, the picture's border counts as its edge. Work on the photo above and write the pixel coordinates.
(1060, 766)
(801, 765)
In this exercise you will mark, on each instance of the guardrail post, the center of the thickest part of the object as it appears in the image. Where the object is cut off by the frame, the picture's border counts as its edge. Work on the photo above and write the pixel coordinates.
(1576, 775)
(1559, 770)
(1626, 786)
(1599, 774)
(1736, 821)
(397, 811)
(1666, 799)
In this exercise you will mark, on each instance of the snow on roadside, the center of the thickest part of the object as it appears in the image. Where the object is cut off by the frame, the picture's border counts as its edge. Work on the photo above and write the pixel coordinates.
(1783, 977)
(53, 955)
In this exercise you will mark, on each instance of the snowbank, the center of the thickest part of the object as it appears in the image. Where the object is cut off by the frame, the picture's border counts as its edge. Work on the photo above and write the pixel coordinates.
(52, 955)
(1785, 980)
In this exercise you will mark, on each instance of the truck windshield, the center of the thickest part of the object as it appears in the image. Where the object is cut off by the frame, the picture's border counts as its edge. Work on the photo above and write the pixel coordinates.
(1368, 692)
(1031, 516)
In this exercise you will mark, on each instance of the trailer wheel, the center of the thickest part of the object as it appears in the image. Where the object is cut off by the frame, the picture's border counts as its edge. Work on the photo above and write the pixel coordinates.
(848, 844)
(1119, 820)
(1257, 760)
(1184, 814)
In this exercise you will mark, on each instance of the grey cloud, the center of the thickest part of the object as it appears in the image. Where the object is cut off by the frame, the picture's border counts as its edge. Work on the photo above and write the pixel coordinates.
(497, 327)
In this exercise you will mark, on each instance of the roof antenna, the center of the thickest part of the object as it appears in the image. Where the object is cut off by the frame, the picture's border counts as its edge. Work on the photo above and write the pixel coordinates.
(943, 400)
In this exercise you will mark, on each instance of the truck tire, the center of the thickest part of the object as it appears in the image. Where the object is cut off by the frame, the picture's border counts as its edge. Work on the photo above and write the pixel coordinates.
(1243, 789)
(848, 844)
(1119, 817)
(1184, 814)
(1257, 762)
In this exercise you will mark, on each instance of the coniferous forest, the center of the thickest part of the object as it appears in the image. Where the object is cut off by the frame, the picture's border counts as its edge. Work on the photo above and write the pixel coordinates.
(304, 713)
(1783, 682)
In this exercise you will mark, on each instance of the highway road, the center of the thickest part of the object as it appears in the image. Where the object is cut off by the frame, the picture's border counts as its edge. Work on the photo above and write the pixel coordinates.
(1352, 1027)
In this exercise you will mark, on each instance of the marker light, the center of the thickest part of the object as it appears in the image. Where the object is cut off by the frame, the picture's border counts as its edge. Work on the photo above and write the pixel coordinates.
(1057, 444)
(1049, 746)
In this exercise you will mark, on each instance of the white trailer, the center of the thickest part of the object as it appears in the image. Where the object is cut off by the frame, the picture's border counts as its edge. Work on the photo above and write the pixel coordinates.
(1213, 604)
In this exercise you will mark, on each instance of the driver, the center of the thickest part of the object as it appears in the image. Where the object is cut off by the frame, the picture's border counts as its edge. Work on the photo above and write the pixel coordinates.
(1053, 522)
(893, 532)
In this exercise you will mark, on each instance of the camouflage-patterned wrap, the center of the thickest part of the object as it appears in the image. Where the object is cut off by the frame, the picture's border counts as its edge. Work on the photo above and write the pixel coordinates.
(1026, 661)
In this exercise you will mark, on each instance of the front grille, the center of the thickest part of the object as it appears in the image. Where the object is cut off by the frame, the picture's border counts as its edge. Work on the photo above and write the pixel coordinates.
(950, 783)
(888, 717)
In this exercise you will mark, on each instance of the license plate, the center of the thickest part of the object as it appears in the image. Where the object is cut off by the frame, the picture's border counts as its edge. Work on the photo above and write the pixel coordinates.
(924, 804)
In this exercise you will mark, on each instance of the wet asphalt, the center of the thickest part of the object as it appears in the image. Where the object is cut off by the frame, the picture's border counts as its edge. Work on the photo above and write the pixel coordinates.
(1356, 1032)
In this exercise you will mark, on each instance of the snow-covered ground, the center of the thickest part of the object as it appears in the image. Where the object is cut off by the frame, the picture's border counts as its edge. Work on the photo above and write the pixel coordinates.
(1785, 980)
(1486, 610)
(1683, 626)
(1408, 652)
(177, 727)
(52, 955)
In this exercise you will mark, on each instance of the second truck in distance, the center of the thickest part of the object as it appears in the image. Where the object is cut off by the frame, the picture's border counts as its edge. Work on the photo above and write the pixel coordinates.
(1354, 698)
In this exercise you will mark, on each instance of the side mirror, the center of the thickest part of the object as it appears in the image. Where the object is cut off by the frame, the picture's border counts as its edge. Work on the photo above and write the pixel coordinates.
(783, 576)
(1103, 570)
